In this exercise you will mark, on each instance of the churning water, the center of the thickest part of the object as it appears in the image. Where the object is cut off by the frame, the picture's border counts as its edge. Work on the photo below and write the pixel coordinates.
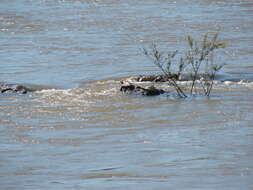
(80, 132)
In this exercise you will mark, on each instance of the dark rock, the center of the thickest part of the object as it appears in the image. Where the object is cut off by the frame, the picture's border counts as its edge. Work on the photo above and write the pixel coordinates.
(126, 88)
(151, 91)
(14, 88)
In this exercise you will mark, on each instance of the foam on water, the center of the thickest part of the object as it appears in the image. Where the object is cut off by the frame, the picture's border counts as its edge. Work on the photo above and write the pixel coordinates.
(103, 91)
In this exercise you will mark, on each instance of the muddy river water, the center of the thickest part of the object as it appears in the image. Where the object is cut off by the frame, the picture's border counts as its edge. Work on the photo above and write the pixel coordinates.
(78, 131)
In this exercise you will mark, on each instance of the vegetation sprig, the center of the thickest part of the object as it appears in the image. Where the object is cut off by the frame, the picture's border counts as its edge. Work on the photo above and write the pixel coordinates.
(198, 58)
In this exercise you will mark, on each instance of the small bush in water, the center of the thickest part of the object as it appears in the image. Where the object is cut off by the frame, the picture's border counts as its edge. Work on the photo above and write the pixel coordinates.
(198, 58)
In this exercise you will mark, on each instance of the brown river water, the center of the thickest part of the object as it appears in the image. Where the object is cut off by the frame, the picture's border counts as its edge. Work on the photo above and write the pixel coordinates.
(78, 131)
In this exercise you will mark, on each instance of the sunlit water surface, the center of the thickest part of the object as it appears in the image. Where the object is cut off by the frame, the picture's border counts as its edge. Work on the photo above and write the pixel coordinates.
(80, 132)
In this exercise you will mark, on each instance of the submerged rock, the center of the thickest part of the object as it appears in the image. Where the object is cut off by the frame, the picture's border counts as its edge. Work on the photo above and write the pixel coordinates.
(151, 91)
(127, 88)
(181, 77)
(14, 88)
(151, 78)
(155, 78)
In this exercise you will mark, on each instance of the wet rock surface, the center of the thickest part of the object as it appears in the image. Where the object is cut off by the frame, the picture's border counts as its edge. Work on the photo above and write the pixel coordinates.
(183, 77)
(14, 88)
(155, 78)
(150, 91)
(132, 84)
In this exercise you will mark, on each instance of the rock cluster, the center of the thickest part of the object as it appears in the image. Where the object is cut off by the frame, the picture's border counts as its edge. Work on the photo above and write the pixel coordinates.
(155, 78)
(150, 91)
(14, 88)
